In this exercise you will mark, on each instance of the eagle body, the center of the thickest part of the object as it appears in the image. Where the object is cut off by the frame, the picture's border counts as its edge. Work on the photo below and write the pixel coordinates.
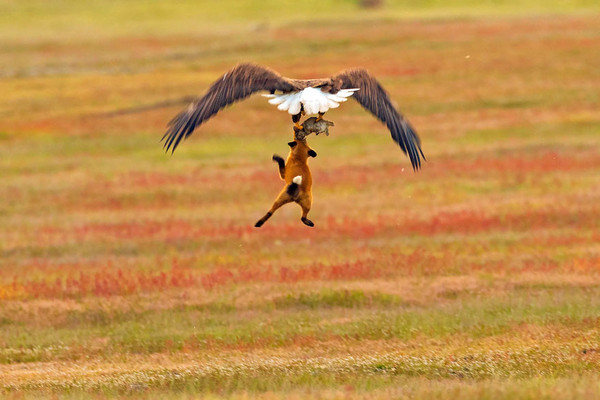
(297, 97)
(310, 100)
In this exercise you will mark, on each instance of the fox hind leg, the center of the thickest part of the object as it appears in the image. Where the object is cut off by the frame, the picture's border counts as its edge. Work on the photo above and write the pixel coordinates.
(261, 221)
(305, 202)
(308, 222)
(282, 199)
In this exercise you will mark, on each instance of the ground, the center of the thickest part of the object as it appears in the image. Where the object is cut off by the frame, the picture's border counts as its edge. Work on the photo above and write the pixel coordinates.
(125, 271)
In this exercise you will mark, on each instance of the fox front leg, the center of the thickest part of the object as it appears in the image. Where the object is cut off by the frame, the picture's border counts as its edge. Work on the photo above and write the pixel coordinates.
(281, 163)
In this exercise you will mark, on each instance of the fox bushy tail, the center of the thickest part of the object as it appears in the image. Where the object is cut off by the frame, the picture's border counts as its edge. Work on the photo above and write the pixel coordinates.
(293, 187)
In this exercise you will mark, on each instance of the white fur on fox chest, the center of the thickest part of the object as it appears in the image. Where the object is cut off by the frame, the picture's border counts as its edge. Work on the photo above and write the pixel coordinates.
(314, 100)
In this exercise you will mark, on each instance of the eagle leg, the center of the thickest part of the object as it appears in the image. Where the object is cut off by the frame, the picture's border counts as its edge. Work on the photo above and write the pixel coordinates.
(320, 117)
(296, 121)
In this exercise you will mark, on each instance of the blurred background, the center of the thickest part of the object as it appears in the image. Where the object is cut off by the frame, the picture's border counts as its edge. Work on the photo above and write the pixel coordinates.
(144, 269)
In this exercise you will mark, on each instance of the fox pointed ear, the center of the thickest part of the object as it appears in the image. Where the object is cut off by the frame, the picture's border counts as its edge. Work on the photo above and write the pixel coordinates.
(292, 144)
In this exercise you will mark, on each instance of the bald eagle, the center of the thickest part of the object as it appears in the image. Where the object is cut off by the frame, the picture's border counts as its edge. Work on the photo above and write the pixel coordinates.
(298, 97)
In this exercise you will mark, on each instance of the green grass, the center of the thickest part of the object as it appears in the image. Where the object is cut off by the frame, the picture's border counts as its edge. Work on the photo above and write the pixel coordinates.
(374, 387)
(65, 18)
(372, 317)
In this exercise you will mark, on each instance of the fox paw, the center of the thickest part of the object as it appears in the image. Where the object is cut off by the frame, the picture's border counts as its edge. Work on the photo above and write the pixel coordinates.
(308, 222)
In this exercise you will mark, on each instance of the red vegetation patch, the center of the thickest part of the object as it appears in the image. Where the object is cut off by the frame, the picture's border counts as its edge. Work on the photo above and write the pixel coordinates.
(103, 283)
(589, 265)
(318, 271)
(466, 221)
(473, 221)
(530, 164)
(344, 175)
(544, 162)
(165, 231)
(109, 282)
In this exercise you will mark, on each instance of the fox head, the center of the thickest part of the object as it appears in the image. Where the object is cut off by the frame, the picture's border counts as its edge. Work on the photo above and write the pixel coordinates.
(299, 149)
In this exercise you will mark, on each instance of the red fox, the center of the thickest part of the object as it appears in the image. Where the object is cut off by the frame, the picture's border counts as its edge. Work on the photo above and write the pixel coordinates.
(296, 174)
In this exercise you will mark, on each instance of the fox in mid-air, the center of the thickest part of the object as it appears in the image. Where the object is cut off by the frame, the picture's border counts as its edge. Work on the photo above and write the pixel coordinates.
(296, 174)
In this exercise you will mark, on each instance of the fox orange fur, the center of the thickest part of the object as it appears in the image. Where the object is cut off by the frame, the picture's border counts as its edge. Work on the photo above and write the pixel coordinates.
(296, 174)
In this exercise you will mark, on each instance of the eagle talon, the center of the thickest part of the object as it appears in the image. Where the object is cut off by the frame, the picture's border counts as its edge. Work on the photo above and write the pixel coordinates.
(298, 127)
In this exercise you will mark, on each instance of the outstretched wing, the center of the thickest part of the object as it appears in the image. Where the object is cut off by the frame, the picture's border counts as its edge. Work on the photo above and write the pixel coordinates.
(237, 84)
(373, 97)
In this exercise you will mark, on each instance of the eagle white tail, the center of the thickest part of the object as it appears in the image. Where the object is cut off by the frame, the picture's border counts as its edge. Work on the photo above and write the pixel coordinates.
(297, 180)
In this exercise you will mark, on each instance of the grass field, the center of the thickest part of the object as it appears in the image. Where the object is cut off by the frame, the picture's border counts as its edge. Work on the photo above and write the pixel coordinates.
(128, 272)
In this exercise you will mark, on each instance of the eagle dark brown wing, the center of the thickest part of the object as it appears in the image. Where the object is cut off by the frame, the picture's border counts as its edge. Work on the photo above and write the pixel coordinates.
(237, 84)
(373, 97)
